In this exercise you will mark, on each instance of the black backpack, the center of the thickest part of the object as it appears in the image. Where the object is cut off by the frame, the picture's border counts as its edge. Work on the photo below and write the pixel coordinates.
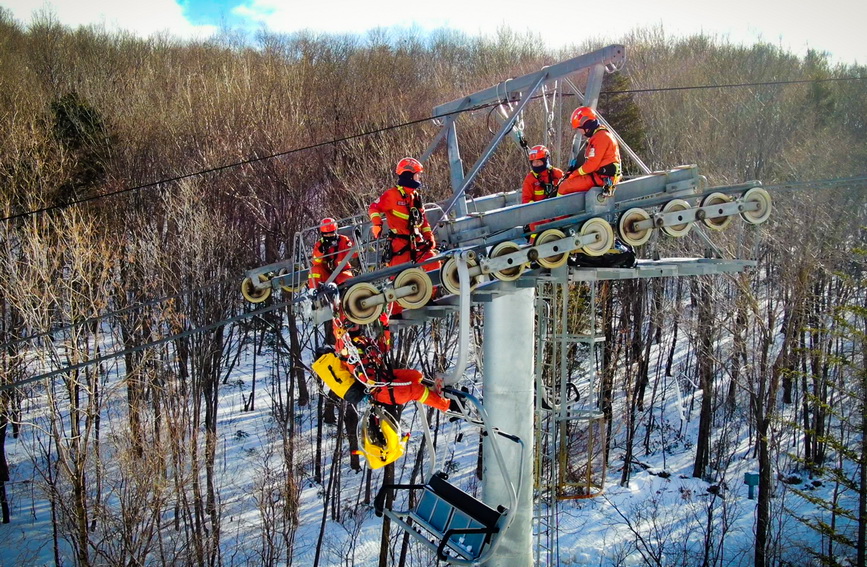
(620, 255)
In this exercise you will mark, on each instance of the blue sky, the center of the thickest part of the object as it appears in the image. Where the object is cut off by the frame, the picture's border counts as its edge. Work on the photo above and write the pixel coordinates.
(209, 12)
(792, 24)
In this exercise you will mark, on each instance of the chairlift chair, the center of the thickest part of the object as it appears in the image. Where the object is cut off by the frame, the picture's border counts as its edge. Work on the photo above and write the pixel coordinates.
(459, 528)
(462, 527)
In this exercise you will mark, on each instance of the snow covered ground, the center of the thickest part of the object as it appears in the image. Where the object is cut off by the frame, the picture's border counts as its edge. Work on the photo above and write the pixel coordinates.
(661, 518)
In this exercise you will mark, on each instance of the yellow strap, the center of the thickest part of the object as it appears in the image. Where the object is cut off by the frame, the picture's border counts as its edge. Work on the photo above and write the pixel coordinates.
(425, 395)
(400, 215)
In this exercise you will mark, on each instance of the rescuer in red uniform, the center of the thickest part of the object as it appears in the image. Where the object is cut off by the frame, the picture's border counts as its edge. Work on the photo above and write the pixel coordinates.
(541, 182)
(409, 232)
(328, 253)
(601, 167)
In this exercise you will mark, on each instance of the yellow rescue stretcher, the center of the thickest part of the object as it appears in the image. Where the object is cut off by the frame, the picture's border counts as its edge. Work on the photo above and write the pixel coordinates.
(337, 376)
(381, 437)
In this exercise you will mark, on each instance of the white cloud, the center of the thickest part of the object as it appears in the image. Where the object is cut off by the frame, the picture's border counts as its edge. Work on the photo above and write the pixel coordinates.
(141, 18)
(834, 26)
(563, 22)
(353, 16)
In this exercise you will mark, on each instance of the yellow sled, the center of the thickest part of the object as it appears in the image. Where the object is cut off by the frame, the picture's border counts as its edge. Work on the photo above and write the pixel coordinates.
(381, 438)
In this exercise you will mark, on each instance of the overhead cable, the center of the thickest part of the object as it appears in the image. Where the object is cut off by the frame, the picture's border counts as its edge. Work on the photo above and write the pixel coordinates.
(379, 131)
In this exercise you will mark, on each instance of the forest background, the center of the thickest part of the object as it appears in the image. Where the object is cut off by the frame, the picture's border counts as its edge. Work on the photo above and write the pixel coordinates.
(189, 162)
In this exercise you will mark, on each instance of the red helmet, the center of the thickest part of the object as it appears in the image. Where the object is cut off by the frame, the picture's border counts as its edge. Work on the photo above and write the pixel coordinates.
(328, 225)
(538, 152)
(409, 164)
(581, 115)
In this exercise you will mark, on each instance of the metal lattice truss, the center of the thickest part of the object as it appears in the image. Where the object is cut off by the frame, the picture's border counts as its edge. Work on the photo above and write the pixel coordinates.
(491, 232)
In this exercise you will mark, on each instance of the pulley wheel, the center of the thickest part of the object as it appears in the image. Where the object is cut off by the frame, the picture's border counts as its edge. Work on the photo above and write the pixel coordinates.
(676, 230)
(556, 260)
(449, 275)
(253, 295)
(604, 237)
(713, 200)
(631, 235)
(513, 272)
(352, 304)
(760, 215)
(423, 288)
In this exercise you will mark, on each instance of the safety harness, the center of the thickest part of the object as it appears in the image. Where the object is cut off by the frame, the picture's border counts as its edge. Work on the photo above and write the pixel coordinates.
(546, 189)
(362, 353)
(329, 252)
(415, 243)
(608, 175)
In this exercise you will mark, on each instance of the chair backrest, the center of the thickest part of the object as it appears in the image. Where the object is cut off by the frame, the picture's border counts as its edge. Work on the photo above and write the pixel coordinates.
(472, 506)
(444, 507)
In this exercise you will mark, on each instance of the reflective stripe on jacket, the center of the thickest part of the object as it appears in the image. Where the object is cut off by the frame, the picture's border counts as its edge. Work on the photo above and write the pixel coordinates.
(396, 205)
(534, 185)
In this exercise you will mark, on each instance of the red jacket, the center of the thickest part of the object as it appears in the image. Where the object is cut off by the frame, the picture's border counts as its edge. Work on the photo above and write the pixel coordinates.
(404, 211)
(601, 160)
(534, 184)
(602, 149)
(393, 386)
(325, 261)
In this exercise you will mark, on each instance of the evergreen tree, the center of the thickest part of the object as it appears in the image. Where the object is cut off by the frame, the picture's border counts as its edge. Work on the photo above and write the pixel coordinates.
(621, 111)
(79, 128)
(844, 510)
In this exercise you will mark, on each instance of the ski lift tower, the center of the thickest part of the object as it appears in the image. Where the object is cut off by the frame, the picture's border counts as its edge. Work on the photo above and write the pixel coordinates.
(492, 226)
(508, 378)
(487, 259)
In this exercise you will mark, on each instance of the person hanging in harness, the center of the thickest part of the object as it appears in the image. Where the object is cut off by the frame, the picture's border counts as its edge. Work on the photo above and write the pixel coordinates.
(386, 385)
(410, 236)
(355, 367)
(329, 252)
(601, 167)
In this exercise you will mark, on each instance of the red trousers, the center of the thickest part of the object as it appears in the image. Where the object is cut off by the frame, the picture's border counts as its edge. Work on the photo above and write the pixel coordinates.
(409, 388)
(578, 183)
(402, 254)
(404, 257)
